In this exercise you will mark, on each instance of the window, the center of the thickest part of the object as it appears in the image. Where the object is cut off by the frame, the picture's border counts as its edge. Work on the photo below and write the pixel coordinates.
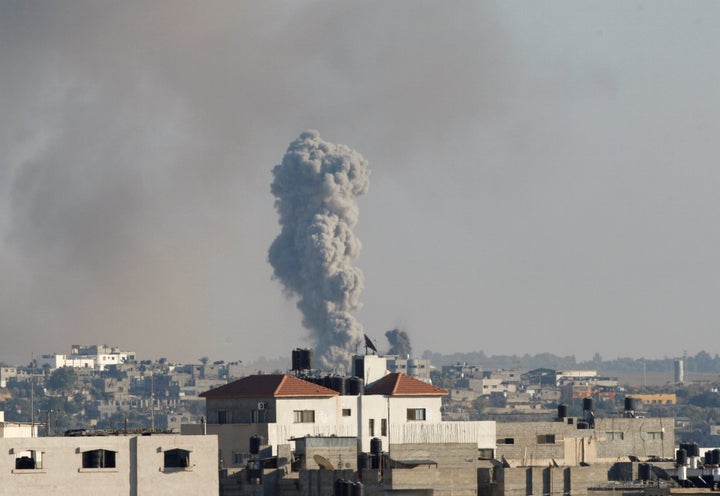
(416, 414)
(615, 436)
(177, 458)
(371, 427)
(28, 460)
(99, 458)
(546, 439)
(654, 435)
(506, 440)
(346, 412)
(304, 416)
(383, 427)
(223, 417)
(237, 458)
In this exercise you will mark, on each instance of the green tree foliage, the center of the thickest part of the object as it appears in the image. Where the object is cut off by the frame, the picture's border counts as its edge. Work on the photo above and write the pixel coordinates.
(62, 379)
(705, 399)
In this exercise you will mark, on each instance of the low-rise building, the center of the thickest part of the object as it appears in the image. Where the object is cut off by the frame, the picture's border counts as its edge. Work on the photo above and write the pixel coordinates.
(109, 465)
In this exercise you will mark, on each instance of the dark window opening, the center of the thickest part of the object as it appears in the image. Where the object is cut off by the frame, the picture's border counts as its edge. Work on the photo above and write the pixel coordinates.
(177, 458)
(98, 459)
(546, 439)
(222, 417)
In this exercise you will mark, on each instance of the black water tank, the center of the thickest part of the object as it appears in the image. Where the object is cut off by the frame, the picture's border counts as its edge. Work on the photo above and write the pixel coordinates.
(302, 359)
(376, 445)
(630, 404)
(588, 404)
(337, 383)
(354, 386)
(693, 449)
(339, 489)
(562, 410)
(681, 457)
(255, 442)
(644, 471)
(375, 459)
(716, 456)
(582, 424)
(358, 489)
(296, 360)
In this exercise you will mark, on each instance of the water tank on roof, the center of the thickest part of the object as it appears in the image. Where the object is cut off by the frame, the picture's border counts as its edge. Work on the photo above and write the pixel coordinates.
(588, 404)
(337, 383)
(376, 445)
(358, 489)
(681, 457)
(630, 404)
(644, 471)
(255, 442)
(354, 386)
(302, 359)
(562, 411)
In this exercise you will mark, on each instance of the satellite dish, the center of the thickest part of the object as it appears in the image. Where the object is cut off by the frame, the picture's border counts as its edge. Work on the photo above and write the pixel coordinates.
(323, 462)
(369, 344)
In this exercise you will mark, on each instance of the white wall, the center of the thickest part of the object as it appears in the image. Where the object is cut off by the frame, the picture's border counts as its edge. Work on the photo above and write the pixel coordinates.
(482, 433)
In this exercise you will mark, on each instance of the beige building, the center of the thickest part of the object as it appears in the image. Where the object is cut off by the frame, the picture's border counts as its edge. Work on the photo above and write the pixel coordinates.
(109, 465)
(572, 442)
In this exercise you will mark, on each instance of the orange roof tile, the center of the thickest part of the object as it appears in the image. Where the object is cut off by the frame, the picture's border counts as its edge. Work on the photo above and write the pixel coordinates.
(269, 386)
(399, 384)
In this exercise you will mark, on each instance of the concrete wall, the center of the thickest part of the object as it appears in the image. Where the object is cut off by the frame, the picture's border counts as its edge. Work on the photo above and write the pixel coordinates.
(139, 467)
(526, 481)
(610, 439)
(481, 433)
(455, 471)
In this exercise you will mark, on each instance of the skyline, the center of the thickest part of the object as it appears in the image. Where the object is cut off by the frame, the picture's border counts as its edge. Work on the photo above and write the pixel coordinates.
(542, 175)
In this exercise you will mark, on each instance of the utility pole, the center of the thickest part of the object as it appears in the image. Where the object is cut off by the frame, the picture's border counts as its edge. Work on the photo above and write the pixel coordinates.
(152, 401)
(32, 395)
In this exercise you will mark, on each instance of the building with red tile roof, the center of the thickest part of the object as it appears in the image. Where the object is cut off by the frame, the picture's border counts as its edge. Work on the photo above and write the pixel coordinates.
(269, 386)
(399, 384)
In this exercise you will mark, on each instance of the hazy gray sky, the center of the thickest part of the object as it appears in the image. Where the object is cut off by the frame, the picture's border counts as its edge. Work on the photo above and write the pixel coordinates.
(544, 174)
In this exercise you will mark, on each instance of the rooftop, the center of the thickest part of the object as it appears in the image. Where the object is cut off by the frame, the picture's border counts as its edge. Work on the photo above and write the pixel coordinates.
(399, 384)
(269, 386)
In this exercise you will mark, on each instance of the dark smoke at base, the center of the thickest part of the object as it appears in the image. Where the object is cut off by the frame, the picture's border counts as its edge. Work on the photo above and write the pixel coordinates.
(315, 188)
(399, 343)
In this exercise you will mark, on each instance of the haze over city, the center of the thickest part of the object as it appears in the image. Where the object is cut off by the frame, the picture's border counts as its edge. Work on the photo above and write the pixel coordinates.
(542, 175)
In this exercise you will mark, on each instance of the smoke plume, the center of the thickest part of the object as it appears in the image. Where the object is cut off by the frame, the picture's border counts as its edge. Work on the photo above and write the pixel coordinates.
(399, 343)
(315, 188)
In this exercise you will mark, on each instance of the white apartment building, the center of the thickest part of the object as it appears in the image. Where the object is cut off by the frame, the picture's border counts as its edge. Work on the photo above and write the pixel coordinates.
(393, 407)
(94, 357)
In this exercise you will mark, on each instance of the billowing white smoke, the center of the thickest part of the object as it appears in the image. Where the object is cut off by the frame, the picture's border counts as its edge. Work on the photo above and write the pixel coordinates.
(315, 188)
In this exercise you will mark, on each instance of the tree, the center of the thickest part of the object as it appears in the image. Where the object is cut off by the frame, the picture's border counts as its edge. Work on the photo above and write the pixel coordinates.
(62, 379)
